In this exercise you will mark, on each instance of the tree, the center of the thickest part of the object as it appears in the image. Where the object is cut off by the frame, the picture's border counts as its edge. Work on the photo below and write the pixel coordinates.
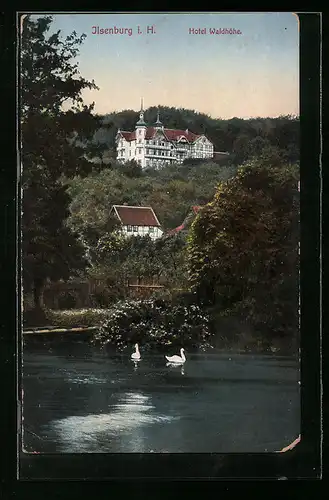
(131, 169)
(243, 246)
(172, 254)
(55, 142)
(116, 260)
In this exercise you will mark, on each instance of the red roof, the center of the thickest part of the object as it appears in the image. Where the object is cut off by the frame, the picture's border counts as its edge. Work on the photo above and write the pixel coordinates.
(174, 135)
(136, 216)
(195, 209)
(129, 136)
(177, 229)
(171, 134)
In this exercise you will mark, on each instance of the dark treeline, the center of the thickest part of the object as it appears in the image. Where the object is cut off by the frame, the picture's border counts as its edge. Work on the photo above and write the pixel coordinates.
(240, 137)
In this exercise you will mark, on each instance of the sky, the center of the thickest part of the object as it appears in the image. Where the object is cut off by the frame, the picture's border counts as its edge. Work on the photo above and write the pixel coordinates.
(254, 73)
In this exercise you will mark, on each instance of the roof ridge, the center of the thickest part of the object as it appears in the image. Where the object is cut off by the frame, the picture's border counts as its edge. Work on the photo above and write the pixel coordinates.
(131, 206)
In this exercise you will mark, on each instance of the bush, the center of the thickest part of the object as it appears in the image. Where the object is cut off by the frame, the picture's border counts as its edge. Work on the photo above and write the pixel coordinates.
(154, 323)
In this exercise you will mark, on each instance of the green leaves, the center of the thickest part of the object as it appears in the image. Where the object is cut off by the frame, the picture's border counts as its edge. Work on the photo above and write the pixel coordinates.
(154, 323)
(243, 246)
(54, 143)
(117, 260)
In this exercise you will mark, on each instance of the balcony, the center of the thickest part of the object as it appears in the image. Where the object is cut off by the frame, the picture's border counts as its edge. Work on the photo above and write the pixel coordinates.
(155, 146)
(153, 155)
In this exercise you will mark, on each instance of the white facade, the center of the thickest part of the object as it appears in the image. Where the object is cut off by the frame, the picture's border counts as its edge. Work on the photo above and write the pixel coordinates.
(152, 231)
(153, 146)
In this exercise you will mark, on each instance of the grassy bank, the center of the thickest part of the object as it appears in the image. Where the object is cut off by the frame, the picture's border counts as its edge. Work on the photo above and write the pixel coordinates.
(232, 333)
(71, 318)
(227, 333)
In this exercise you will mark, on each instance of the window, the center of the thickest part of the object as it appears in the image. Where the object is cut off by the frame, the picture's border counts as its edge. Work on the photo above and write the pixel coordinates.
(151, 229)
(135, 229)
(129, 229)
(139, 140)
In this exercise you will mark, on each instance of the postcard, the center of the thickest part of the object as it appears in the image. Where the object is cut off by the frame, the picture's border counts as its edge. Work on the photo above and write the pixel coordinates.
(160, 233)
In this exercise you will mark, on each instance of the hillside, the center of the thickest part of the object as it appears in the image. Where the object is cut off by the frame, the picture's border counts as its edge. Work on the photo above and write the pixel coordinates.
(237, 136)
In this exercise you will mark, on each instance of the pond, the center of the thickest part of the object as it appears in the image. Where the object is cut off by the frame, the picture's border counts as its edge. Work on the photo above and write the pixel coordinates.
(78, 398)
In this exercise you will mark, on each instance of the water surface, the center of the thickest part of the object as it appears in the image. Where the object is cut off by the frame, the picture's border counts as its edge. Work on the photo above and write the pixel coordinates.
(77, 398)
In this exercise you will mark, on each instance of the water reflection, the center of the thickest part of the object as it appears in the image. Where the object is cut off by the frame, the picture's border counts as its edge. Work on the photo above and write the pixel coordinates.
(127, 419)
(176, 367)
(135, 364)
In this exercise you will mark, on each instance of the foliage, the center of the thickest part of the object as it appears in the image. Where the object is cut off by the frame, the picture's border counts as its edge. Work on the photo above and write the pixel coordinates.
(170, 191)
(118, 260)
(54, 142)
(154, 323)
(243, 247)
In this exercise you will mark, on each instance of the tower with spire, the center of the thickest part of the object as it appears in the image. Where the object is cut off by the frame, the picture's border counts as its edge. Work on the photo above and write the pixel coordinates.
(141, 121)
(141, 128)
(158, 124)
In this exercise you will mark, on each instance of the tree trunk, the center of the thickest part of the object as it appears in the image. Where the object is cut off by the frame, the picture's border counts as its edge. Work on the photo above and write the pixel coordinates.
(38, 287)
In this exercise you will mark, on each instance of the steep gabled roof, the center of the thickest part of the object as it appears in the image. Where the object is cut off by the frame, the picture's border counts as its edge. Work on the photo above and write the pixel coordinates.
(171, 135)
(129, 136)
(174, 135)
(136, 216)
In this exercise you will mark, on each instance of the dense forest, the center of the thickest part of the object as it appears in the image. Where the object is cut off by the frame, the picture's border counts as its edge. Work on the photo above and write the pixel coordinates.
(236, 259)
(240, 137)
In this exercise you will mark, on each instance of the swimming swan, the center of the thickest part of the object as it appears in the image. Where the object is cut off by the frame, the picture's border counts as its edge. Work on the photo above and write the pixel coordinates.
(177, 359)
(136, 356)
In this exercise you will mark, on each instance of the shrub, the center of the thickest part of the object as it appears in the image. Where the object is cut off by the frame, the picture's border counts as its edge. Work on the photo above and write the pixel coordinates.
(154, 323)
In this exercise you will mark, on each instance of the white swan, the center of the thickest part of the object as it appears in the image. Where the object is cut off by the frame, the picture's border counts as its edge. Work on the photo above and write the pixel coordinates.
(177, 359)
(136, 356)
